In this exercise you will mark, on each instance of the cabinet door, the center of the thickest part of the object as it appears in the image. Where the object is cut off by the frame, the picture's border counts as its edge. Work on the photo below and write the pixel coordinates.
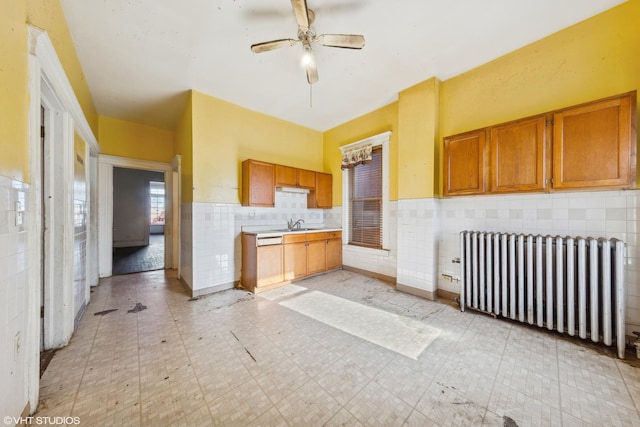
(258, 183)
(306, 179)
(286, 176)
(269, 265)
(316, 256)
(464, 163)
(323, 194)
(518, 156)
(595, 144)
(295, 260)
(334, 254)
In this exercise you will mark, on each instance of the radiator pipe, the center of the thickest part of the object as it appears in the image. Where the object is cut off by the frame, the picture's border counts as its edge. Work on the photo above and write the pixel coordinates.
(593, 295)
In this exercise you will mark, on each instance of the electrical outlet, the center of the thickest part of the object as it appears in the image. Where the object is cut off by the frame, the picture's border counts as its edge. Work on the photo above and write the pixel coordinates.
(252, 213)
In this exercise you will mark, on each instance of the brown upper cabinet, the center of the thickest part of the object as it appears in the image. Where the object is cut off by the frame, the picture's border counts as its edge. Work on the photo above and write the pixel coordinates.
(260, 179)
(258, 183)
(322, 197)
(287, 176)
(583, 147)
(518, 156)
(595, 144)
(464, 163)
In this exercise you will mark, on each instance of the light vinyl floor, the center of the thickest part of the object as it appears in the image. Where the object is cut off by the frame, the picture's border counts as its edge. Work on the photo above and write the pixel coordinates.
(235, 359)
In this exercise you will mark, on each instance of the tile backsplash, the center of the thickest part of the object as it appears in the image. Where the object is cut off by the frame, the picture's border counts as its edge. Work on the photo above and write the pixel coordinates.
(216, 229)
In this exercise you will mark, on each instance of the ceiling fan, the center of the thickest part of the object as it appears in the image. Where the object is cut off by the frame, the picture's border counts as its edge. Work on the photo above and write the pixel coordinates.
(307, 36)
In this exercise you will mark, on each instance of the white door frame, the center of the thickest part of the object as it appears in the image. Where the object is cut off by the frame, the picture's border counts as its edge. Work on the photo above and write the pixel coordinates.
(49, 87)
(176, 165)
(106, 163)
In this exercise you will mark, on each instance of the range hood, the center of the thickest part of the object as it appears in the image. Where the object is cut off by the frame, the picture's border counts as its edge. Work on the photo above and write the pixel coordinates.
(293, 190)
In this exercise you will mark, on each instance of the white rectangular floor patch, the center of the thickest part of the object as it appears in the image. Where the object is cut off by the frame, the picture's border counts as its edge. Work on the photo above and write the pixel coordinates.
(391, 331)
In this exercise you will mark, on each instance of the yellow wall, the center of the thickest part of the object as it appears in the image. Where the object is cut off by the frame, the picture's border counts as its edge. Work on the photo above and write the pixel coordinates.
(14, 161)
(80, 166)
(14, 72)
(183, 147)
(418, 136)
(378, 121)
(48, 15)
(593, 59)
(225, 134)
(136, 141)
(590, 60)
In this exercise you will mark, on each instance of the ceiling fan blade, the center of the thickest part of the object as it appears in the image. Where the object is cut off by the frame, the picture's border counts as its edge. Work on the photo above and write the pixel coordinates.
(271, 45)
(302, 14)
(347, 41)
(312, 72)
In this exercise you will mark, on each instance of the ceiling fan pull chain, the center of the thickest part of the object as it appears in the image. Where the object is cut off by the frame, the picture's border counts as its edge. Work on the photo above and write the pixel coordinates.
(310, 96)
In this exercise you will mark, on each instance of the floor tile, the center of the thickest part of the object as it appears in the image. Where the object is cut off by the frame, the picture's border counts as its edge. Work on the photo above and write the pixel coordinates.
(233, 358)
(376, 406)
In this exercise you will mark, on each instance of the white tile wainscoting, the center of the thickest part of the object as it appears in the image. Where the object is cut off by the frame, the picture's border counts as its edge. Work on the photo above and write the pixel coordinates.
(608, 214)
(213, 231)
(14, 295)
(424, 235)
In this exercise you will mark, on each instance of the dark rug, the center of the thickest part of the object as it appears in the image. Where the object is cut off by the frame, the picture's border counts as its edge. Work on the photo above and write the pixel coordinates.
(139, 258)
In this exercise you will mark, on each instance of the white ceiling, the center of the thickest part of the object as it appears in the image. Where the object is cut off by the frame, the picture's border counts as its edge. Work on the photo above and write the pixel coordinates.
(140, 57)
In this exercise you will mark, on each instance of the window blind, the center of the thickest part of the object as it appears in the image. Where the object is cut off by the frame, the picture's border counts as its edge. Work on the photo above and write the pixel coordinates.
(365, 199)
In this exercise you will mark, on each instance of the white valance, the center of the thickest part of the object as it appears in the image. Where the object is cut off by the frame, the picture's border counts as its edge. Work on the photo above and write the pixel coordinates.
(356, 156)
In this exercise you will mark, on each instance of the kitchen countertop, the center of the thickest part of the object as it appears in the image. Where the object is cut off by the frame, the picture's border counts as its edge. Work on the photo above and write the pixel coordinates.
(283, 231)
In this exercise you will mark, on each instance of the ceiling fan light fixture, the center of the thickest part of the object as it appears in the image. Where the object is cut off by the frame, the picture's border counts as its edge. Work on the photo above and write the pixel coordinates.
(307, 35)
(307, 56)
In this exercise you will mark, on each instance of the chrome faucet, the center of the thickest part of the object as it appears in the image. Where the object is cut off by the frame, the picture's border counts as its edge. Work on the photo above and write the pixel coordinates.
(291, 225)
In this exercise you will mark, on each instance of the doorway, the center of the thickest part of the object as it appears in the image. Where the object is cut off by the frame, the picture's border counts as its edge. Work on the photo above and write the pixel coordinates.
(138, 220)
(171, 179)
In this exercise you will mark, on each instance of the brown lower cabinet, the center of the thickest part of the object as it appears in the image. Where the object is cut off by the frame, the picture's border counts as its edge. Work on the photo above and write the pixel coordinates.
(262, 265)
(334, 250)
(300, 255)
(304, 254)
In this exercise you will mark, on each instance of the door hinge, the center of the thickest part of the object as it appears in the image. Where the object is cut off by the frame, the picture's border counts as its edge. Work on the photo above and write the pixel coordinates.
(41, 131)
(549, 122)
(42, 312)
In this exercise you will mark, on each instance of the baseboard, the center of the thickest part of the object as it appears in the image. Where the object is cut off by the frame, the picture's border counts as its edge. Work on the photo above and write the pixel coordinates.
(415, 291)
(453, 296)
(213, 289)
(130, 243)
(384, 278)
(185, 285)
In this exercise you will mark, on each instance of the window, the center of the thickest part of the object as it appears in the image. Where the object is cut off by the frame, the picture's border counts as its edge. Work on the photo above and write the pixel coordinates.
(365, 202)
(156, 193)
(365, 193)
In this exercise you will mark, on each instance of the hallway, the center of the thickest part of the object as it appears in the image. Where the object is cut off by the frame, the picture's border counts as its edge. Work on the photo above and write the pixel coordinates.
(233, 358)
